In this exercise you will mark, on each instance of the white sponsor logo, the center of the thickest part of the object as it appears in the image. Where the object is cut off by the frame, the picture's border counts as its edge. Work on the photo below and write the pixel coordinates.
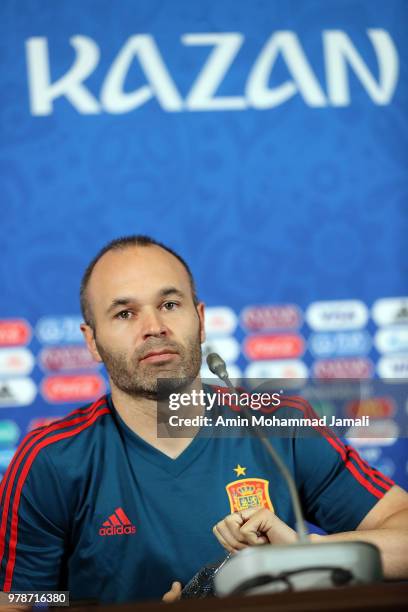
(392, 340)
(228, 348)
(55, 330)
(393, 366)
(328, 344)
(6, 456)
(220, 320)
(285, 368)
(389, 311)
(9, 433)
(17, 392)
(340, 56)
(342, 314)
(16, 362)
(380, 433)
(371, 455)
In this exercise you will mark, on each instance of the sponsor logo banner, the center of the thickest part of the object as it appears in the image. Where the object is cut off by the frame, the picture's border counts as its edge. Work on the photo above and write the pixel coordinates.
(16, 361)
(340, 344)
(220, 320)
(374, 407)
(279, 346)
(60, 358)
(357, 367)
(66, 388)
(393, 366)
(58, 330)
(263, 318)
(17, 392)
(285, 369)
(9, 433)
(392, 339)
(337, 315)
(227, 347)
(382, 433)
(5, 457)
(14, 332)
(390, 311)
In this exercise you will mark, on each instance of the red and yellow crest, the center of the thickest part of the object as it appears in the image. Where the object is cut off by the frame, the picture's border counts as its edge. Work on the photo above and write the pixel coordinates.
(249, 493)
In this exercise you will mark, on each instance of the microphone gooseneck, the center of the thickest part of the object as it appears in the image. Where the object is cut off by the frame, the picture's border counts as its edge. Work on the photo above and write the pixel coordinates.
(218, 367)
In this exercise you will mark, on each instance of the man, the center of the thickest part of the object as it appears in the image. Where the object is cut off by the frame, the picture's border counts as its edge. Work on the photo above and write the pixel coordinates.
(100, 505)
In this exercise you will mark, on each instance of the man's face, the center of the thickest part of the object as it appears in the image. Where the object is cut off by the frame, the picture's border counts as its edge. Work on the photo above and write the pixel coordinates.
(146, 324)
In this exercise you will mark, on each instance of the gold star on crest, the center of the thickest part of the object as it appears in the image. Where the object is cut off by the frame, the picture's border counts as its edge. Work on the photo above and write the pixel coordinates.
(239, 470)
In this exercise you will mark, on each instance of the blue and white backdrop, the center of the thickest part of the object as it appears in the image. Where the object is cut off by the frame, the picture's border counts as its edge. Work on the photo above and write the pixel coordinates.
(272, 133)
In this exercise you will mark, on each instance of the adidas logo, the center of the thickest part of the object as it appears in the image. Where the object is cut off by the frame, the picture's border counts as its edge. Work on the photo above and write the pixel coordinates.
(117, 524)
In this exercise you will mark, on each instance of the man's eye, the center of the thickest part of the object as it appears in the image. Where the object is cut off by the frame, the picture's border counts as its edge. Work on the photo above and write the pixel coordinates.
(123, 314)
(170, 305)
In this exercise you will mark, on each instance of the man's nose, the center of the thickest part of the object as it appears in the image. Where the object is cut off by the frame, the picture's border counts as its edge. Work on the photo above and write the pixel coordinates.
(152, 324)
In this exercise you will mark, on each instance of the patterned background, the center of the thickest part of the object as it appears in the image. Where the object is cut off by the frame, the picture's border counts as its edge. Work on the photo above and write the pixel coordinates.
(277, 209)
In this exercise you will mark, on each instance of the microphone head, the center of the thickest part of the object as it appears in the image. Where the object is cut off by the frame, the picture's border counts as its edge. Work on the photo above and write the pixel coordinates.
(217, 365)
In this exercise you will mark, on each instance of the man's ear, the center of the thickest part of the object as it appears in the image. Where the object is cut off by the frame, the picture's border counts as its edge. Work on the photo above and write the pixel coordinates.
(89, 338)
(201, 312)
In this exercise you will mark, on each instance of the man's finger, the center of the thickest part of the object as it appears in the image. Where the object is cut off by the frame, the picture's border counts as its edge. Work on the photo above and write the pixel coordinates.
(247, 514)
(255, 529)
(226, 539)
(174, 594)
(233, 523)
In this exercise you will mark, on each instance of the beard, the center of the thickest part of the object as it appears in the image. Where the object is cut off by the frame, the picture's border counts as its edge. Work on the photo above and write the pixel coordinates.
(137, 379)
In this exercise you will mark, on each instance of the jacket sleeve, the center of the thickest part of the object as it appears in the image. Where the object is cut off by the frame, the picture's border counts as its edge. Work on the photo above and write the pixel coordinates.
(34, 523)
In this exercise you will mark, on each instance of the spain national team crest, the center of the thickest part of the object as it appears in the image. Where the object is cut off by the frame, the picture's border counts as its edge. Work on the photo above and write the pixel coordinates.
(249, 493)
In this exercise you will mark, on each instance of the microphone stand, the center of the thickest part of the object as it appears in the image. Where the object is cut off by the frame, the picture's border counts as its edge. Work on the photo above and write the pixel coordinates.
(300, 566)
(218, 367)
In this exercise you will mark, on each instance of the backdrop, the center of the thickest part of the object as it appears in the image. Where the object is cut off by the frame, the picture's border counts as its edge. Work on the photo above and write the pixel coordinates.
(266, 141)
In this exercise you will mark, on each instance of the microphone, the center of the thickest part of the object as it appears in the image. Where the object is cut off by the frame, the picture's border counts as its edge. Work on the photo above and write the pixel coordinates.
(218, 367)
(301, 566)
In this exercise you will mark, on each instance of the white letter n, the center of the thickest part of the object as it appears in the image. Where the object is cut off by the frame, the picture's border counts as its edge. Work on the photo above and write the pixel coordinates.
(339, 51)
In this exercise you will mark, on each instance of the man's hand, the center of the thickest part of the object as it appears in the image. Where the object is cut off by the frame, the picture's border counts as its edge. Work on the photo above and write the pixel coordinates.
(174, 594)
(252, 527)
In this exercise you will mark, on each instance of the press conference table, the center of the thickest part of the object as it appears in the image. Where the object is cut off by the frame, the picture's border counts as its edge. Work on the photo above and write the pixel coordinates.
(377, 597)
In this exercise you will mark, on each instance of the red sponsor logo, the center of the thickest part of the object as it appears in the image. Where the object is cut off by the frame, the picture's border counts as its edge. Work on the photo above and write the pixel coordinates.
(374, 407)
(117, 523)
(282, 346)
(42, 422)
(14, 332)
(66, 358)
(121, 530)
(343, 368)
(72, 388)
(257, 318)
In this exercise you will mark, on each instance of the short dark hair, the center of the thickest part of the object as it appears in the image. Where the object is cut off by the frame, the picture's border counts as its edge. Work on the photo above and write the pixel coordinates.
(121, 244)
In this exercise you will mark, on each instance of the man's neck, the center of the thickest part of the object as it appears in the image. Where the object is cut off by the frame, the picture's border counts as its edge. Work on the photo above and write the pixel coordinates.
(141, 415)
